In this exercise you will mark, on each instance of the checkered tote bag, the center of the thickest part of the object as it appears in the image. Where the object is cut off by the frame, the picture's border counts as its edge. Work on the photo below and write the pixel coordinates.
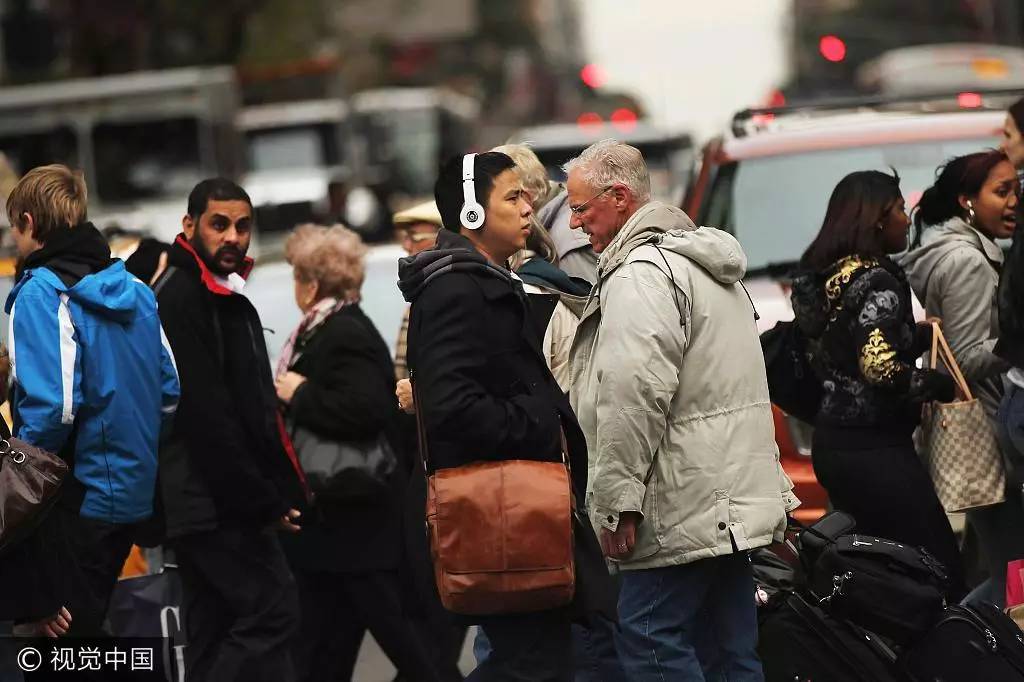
(960, 448)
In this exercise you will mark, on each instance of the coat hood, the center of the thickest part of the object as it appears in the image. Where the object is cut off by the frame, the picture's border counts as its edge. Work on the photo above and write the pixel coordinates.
(541, 273)
(112, 293)
(716, 251)
(940, 240)
(452, 253)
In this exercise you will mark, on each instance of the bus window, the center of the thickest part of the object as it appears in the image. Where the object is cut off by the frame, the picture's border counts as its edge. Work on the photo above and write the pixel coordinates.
(146, 159)
(26, 151)
(307, 146)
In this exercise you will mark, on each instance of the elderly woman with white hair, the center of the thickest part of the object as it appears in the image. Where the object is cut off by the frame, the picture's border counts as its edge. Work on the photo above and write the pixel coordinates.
(335, 380)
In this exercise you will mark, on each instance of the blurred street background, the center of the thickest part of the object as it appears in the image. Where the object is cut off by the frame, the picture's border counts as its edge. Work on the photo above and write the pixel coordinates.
(342, 110)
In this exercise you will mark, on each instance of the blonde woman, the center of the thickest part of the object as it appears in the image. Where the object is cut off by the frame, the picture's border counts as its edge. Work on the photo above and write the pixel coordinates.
(335, 378)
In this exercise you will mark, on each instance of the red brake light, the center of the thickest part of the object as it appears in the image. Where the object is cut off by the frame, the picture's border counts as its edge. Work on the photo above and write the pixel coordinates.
(832, 48)
(593, 75)
(968, 100)
(624, 119)
(588, 118)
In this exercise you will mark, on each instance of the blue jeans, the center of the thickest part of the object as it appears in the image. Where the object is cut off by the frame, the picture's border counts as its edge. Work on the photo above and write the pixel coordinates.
(594, 658)
(691, 622)
(1000, 528)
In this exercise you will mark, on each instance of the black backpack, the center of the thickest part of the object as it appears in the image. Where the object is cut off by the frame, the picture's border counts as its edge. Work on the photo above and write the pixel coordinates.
(889, 588)
(792, 383)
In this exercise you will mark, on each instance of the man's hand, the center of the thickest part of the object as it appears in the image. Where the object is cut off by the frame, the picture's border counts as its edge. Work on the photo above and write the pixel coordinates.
(286, 522)
(56, 626)
(287, 384)
(619, 545)
(403, 391)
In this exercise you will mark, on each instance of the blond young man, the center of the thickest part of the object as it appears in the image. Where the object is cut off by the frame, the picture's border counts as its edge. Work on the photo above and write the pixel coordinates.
(94, 381)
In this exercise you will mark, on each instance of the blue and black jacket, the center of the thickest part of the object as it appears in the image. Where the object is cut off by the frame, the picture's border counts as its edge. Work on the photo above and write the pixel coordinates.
(94, 376)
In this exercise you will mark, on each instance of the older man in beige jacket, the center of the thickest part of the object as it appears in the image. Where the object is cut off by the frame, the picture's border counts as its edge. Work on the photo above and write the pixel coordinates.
(668, 381)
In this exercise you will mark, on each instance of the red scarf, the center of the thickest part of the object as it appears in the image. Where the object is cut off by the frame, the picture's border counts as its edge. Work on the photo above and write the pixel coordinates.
(215, 283)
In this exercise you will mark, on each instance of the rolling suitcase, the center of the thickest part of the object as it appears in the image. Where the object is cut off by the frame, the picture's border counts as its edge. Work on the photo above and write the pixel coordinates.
(798, 642)
(968, 644)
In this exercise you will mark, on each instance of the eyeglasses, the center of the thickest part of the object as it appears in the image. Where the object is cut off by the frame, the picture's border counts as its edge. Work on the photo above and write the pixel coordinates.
(578, 210)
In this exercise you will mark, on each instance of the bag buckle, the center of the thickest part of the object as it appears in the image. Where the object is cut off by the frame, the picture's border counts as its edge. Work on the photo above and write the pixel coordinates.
(837, 587)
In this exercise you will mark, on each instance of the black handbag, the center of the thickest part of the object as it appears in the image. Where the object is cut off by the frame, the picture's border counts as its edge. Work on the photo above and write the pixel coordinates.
(798, 641)
(792, 383)
(968, 643)
(345, 471)
(889, 588)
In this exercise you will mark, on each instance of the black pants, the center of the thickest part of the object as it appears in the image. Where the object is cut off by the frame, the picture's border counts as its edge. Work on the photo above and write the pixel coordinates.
(241, 606)
(531, 647)
(888, 491)
(337, 610)
(98, 551)
(443, 639)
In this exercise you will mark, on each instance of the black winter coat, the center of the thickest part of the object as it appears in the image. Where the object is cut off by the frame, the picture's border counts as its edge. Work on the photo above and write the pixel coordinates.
(225, 463)
(348, 395)
(1010, 345)
(484, 390)
(863, 344)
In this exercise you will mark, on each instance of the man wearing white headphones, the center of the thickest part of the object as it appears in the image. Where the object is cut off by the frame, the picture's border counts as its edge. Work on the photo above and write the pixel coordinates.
(484, 392)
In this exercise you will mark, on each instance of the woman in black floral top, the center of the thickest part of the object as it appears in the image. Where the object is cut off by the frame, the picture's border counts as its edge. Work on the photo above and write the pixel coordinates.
(853, 304)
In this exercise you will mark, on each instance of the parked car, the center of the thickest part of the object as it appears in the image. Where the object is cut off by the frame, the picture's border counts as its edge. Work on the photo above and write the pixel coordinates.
(965, 67)
(769, 178)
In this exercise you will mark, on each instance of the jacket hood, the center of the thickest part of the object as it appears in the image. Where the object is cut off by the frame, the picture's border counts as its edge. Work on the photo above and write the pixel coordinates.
(541, 273)
(452, 253)
(113, 292)
(716, 251)
(937, 242)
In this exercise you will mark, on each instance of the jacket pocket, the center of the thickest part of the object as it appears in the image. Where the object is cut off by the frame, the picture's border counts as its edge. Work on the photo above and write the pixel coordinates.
(650, 533)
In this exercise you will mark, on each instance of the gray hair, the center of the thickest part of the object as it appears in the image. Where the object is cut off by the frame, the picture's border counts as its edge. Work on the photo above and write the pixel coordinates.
(531, 171)
(609, 162)
(331, 256)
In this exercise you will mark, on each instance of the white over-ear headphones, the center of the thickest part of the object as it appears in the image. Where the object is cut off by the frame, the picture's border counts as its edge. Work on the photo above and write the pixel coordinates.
(472, 215)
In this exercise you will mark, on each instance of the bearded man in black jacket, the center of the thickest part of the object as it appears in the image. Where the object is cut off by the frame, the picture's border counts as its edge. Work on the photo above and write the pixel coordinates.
(229, 479)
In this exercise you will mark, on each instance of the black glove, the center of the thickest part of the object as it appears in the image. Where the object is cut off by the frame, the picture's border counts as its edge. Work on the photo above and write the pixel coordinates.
(923, 337)
(936, 385)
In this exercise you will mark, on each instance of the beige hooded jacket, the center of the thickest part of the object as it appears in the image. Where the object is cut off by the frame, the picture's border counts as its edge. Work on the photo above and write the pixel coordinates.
(668, 382)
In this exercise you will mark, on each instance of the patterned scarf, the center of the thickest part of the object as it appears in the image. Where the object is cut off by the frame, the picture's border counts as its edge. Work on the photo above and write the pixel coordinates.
(310, 322)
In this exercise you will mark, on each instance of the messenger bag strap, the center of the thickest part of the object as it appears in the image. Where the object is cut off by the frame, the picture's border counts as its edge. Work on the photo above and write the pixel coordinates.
(421, 430)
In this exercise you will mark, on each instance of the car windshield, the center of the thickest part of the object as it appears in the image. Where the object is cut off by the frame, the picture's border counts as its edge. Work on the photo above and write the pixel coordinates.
(669, 165)
(408, 142)
(774, 205)
(311, 146)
